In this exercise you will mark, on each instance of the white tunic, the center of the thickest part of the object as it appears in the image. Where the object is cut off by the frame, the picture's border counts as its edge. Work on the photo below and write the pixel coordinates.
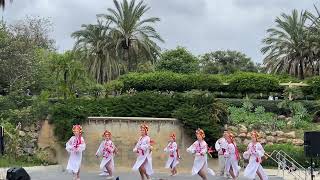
(199, 149)
(232, 159)
(106, 150)
(75, 147)
(173, 159)
(254, 153)
(144, 154)
(221, 146)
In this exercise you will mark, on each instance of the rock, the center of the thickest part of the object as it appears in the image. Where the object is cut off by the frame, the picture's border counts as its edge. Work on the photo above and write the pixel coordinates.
(243, 129)
(34, 135)
(233, 128)
(297, 142)
(291, 135)
(33, 128)
(238, 140)
(246, 142)
(263, 141)
(29, 151)
(289, 123)
(22, 133)
(268, 133)
(289, 141)
(279, 133)
(262, 134)
(270, 143)
(242, 135)
(27, 128)
(288, 119)
(30, 145)
(273, 133)
(281, 140)
(34, 140)
(282, 117)
(270, 139)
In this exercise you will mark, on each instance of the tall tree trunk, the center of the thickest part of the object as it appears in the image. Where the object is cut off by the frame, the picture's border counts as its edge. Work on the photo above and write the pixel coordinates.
(301, 69)
(65, 84)
(127, 58)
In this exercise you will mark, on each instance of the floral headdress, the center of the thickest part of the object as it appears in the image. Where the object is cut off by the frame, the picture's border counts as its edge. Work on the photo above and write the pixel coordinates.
(201, 132)
(255, 134)
(106, 133)
(145, 127)
(173, 136)
(77, 128)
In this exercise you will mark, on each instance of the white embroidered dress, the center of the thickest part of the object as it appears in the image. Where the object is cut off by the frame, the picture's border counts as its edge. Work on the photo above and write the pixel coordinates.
(231, 159)
(106, 150)
(144, 154)
(75, 146)
(254, 153)
(199, 149)
(173, 159)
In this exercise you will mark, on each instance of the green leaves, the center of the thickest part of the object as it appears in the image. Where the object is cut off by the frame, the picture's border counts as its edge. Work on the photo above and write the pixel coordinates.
(178, 60)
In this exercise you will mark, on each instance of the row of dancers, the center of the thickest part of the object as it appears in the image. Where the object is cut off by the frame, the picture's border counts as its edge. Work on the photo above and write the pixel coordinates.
(225, 146)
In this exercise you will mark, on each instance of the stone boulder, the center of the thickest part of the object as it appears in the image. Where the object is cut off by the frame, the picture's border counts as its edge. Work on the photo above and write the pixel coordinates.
(268, 133)
(270, 139)
(238, 140)
(246, 142)
(297, 142)
(280, 133)
(281, 140)
(242, 135)
(243, 129)
(282, 117)
(263, 141)
(273, 134)
(291, 135)
(22, 134)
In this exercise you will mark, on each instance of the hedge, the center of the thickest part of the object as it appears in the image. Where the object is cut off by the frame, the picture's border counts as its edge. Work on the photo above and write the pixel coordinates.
(193, 111)
(271, 106)
(169, 81)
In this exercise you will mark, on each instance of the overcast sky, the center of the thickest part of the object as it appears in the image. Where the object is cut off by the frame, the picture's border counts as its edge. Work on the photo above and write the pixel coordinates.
(199, 25)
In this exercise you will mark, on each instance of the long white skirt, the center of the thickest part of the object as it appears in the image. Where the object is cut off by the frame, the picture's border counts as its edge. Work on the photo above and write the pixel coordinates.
(105, 161)
(199, 163)
(232, 162)
(148, 165)
(74, 162)
(172, 162)
(252, 168)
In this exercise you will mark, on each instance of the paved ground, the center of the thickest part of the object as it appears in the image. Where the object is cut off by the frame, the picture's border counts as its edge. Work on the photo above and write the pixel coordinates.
(56, 173)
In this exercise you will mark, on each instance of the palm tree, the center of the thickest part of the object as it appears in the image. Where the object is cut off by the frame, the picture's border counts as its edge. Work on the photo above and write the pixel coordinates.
(132, 34)
(286, 47)
(97, 50)
(3, 3)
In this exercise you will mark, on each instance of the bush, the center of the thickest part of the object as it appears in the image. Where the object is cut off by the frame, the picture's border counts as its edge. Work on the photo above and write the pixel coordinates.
(178, 60)
(271, 106)
(314, 86)
(193, 111)
(168, 81)
(253, 82)
(296, 152)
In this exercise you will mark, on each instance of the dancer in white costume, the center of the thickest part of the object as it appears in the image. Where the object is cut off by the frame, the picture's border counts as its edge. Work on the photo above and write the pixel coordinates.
(254, 153)
(144, 154)
(173, 159)
(107, 150)
(221, 147)
(200, 149)
(75, 146)
(232, 157)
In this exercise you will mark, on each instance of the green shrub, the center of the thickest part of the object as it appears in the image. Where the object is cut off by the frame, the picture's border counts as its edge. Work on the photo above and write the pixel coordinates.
(296, 152)
(194, 110)
(271, 106)
(314, 86)
(253, 82)
(169, 81)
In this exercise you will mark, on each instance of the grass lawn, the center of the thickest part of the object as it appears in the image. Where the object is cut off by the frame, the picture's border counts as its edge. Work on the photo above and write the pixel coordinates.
(6, 161)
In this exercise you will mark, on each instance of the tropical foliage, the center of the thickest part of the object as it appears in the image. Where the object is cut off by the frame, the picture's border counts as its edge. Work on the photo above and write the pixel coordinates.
(292, 46)
(226, 62)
